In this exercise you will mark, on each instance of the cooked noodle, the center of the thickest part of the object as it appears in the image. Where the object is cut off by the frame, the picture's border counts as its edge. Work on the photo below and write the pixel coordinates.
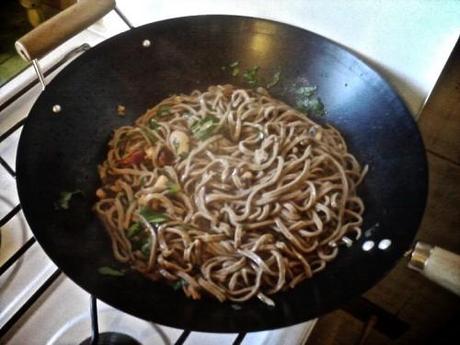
(228, 192)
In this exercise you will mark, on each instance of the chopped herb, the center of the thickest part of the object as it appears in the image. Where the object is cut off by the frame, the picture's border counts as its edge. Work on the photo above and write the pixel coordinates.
(153, 124)
(179, 284)
(145, 249)
(134, 230)
(306, 91)
(64, 199)
(314, 106)
(148, 133)
(109, 271)
(308, 101)
(164, 110)
(204, 128)
(275, 80)
(250, 75)
(311, 105)
(153, 216)
(233, 68)
(173, 188)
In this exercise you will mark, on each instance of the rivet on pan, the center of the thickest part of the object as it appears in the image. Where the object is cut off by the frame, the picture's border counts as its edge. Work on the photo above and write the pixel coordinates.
(146, 43)
(384, 244)
(56, 108)
(368, 245)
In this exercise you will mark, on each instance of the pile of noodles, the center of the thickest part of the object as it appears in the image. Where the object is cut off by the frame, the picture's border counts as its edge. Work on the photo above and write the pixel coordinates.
(230, 193)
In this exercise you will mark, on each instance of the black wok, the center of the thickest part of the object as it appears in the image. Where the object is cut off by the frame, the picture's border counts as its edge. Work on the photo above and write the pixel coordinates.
(60, 152)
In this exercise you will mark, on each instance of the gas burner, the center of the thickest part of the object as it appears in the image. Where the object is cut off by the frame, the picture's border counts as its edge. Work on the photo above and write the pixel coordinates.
(112, 338)
(115, 328)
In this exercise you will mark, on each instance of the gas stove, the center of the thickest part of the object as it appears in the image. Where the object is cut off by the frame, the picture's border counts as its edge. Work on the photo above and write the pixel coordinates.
(38, 303)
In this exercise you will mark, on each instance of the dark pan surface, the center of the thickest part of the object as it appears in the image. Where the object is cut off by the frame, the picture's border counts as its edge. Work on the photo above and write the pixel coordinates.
(60, 152)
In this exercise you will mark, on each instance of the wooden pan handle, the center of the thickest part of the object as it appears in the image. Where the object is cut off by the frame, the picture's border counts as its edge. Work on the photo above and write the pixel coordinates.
(438, 265)
(61, 27)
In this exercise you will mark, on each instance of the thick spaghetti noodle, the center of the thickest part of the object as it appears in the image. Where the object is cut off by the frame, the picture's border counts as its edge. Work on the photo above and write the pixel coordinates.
(228, 192)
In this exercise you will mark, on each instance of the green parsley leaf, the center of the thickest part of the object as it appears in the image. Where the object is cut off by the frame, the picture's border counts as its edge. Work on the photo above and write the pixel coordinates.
(314, 106)
(275, 80)
(307, 101)
(164, 110)
(145, 249)
(109, 271)
(153, 216)
(173, 188)
(205, 127)
(134, 230)
(306, 91)
(179, 284)
(153, 124)
(148, 133)
(250, 75)
(64, 199)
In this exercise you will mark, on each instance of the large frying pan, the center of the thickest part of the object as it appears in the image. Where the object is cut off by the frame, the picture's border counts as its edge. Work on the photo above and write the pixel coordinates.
(60, 152)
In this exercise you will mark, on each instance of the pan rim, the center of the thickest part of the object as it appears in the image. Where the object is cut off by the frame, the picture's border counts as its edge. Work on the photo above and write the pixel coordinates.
(356, 57)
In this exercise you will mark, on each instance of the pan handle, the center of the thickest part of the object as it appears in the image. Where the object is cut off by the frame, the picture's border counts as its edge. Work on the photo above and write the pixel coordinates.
(437, 264)
(61, 27)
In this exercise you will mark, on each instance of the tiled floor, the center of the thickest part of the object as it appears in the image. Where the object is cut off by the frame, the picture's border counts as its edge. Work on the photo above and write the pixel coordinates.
(13, 24)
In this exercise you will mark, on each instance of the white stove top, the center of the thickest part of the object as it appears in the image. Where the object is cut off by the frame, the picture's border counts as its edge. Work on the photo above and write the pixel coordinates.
(408, 49)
